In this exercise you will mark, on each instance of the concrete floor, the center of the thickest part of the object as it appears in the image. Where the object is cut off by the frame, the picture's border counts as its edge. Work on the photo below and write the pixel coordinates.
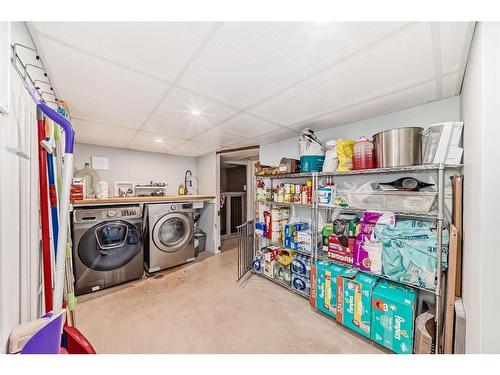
(199, 308)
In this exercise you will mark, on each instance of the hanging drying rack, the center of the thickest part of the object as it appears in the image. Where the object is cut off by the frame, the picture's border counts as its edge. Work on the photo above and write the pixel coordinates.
(22, 70)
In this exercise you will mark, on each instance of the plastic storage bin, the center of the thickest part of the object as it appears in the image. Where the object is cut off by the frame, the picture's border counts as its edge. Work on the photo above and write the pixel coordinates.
(311, 163)
(200, 241)
(418, 202)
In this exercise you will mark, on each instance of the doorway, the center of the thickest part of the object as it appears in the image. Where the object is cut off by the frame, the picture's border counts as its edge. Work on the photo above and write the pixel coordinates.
(235, 193)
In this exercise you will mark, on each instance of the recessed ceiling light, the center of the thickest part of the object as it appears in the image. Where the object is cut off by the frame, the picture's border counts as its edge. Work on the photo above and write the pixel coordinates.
(158, 140)
(194, 112)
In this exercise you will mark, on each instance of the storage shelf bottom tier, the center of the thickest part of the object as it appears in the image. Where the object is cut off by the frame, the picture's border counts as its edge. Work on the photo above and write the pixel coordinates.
(284, 285)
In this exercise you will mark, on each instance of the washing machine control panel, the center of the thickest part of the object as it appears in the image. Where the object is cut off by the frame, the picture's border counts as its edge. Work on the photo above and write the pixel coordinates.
(111, 213)
(129, 212)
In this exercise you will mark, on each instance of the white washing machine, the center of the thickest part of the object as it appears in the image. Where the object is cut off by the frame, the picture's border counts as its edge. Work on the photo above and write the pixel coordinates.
(169, 235)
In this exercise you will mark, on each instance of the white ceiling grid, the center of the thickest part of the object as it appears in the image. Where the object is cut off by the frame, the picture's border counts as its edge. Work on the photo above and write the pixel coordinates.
(192, 88)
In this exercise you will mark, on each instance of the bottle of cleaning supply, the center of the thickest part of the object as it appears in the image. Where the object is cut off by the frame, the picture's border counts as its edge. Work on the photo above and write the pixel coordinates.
(181, 190)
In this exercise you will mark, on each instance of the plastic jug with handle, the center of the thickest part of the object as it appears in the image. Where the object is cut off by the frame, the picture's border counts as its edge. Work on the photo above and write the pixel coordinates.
(363, 154)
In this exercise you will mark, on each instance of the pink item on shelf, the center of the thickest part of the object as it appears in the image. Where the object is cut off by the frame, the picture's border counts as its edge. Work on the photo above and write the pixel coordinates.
(368, 254)
(363, 154)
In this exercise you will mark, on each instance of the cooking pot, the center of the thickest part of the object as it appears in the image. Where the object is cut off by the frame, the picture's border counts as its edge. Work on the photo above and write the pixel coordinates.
(398, 147)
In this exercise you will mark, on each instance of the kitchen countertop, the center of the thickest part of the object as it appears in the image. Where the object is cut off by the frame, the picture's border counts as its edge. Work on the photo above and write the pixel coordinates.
(128, 200)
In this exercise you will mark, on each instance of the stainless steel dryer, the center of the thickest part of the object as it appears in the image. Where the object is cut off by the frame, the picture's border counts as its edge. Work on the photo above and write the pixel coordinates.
(169, 232)
(108, 246)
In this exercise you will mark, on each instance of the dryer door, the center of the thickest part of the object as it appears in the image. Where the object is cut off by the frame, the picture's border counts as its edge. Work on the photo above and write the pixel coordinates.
(110, 245)
(172, 232)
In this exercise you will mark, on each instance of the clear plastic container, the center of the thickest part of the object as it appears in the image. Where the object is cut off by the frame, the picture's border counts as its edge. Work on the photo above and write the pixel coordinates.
(411, 202)
(91, 179)
(363, 154)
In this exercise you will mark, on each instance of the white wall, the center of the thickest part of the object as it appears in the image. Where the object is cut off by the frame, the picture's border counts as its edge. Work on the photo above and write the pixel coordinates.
(139, 166)
(19, 240)
(479, 107)
(207, 182)
(423, 115)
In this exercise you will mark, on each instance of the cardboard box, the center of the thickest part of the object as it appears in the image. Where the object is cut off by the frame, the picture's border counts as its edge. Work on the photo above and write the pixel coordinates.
(269, 268)
(393, 314)
(354, 293)
(337, 250)
(288, 165)
(271, 253)
(324, 285)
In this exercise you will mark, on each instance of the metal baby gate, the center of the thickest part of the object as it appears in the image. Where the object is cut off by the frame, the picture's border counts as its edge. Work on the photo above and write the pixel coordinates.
(246, 243)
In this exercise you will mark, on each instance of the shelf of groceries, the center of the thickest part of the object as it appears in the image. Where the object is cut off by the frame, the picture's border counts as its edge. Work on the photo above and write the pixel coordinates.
(322, 254)
(409, 169)
(373, 242)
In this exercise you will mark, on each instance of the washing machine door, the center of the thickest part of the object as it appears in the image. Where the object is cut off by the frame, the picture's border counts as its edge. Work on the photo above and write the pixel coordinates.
(110, 245)
(173, 232)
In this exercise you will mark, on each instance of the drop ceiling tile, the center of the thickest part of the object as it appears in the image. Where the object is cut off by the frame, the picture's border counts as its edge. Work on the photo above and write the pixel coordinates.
(217, 137)
(390, 103)
(98, 134)
(240, 66)
(400, 62)
(273, 136)
(193, 148)
(160, 49)
(110, 113)
(146, 141)
(403, 60)
(102, 91)
(295, 104)
(318, 44)
(174, 116)
(245, 125)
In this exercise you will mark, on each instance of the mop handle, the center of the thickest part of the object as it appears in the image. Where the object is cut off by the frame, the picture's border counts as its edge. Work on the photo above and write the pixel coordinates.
(69, 134)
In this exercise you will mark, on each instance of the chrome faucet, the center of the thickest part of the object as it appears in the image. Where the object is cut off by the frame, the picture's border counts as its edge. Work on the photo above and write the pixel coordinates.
(186, 180)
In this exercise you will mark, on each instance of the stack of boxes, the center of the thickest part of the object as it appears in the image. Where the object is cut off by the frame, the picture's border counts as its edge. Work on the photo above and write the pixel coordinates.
(393, 316)
(270, 259)
(341, 241)
(354, 293)
(378, 309)
(324, 276)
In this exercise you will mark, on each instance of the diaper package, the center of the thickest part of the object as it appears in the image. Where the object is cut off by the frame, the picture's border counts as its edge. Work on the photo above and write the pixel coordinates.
(393, 314)
(409, 251)
(324, 286)
(354, 293)
(368, 254)
(368, 248)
